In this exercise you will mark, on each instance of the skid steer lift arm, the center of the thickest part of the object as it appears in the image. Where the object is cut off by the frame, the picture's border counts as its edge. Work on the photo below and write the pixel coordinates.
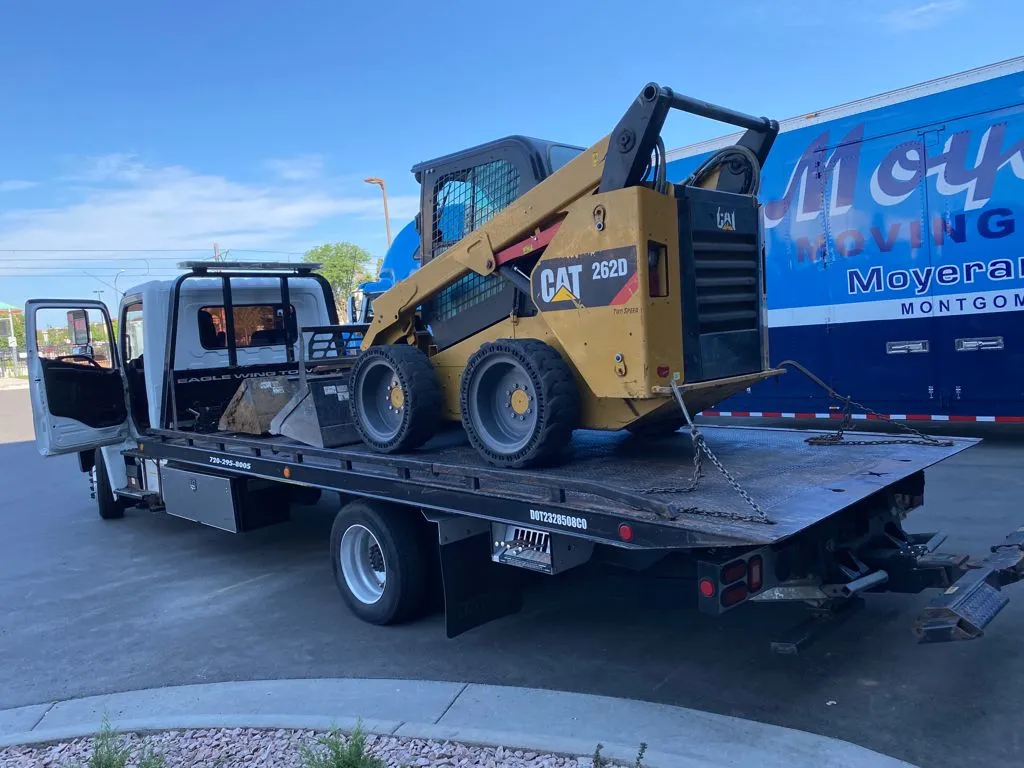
(619, 160)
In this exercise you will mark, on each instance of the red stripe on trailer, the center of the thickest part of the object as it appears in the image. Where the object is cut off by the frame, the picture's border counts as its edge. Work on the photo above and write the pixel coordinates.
(870, 416)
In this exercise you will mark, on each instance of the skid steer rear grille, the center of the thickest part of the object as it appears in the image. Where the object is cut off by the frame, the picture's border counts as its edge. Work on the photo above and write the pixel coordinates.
(727, 286)
(722, 287)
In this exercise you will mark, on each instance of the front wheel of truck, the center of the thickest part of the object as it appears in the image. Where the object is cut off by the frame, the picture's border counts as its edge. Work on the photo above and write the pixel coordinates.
(110, 506)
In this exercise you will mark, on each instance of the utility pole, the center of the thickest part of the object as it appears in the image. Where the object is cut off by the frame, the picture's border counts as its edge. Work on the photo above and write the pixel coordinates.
(99, 294)
(216, 252)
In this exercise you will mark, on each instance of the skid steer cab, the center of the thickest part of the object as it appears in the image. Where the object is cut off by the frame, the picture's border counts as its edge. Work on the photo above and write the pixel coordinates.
(562, 288)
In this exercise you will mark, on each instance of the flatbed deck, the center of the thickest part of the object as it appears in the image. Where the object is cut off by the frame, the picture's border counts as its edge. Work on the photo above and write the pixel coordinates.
(607, 478)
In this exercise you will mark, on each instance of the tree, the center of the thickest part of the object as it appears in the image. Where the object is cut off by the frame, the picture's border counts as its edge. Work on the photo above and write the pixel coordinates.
(345, 266)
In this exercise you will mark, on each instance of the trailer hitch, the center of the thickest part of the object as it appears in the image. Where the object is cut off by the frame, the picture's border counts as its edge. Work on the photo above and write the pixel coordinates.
(964, 609)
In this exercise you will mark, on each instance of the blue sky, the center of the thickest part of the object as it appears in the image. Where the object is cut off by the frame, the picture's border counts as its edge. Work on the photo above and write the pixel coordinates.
(166, 126)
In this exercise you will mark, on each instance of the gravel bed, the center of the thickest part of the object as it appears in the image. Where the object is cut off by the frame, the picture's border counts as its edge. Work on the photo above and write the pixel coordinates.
(238, 747)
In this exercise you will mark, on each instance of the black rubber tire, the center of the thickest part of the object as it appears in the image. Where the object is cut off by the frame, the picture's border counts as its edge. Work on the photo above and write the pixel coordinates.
(402, 539)
(423, 406)
(557, 396)
(656, 430)
(110, 508)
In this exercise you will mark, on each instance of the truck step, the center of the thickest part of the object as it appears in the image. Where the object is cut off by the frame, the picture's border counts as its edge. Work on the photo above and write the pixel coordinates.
(139, 494)
(963, 611)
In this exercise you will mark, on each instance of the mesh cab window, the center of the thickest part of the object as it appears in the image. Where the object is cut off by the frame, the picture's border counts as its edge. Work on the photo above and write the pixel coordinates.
(256, 325)
(464, 201)
(467, 199)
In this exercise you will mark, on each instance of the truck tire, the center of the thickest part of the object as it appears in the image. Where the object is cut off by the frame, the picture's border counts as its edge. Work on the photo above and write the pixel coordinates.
(380, 561)
(519, 402)
(110, 507)
(396, 401)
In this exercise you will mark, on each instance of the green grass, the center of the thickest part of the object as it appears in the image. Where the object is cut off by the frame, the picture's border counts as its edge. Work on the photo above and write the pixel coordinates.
(333, 750)
(110, 750)
(600, 761)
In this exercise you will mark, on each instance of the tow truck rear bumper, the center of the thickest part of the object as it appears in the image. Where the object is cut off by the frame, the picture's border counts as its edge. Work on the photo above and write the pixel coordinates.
(967, 606)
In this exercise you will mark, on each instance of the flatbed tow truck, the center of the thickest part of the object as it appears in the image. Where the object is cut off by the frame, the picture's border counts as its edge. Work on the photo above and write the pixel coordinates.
(561, 288)
(787, 519)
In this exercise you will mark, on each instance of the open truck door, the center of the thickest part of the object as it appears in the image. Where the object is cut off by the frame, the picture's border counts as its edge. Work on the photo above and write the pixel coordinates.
(77, 392)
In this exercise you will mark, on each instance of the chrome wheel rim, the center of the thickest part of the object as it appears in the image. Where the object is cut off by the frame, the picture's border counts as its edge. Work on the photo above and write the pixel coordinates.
(362, 564)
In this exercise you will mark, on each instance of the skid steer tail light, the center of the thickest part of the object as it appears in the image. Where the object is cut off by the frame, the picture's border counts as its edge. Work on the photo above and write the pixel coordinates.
(707, 587)
(626, 532)
(755, 573)
(734, 595)
(657, 269)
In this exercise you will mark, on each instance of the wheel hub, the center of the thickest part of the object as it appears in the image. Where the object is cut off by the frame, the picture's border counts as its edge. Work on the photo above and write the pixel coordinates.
(396, 397)
(519, 401)
(363, 564)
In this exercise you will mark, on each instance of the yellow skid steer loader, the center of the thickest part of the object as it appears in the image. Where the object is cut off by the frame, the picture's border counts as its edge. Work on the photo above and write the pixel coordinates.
(563, 288)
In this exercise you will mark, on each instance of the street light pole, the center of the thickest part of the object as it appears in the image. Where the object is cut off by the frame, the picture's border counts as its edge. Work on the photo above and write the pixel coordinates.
(384, 194)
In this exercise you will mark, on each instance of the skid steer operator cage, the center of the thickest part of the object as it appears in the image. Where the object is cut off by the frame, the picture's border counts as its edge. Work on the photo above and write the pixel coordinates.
(224, 382)
(463, 191)
(460, 193)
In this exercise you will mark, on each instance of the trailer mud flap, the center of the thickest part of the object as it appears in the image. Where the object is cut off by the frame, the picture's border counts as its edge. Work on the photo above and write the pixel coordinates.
(963, 610)
(476, 590)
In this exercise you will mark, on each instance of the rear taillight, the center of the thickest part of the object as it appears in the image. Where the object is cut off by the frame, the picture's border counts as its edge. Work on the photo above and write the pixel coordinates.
(735, 594)
(733, 572)
(755, 573)
(657, 269)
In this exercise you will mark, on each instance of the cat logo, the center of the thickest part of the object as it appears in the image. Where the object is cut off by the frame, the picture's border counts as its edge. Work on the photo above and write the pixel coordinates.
(561, 284)
(726, 220)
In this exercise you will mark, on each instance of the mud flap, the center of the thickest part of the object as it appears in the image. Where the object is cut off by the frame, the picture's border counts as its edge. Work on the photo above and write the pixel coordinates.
(476, 590)
(963, 610)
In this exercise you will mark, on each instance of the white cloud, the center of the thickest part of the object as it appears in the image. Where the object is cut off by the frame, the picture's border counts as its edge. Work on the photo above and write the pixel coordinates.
(122, 203)
(16, 185)
(301, 168)
(924, 16)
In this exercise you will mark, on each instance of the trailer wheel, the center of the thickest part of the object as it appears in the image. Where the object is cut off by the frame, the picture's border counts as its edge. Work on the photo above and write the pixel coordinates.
(380, 563)
(110, 507)
(519, 402)
(396, 401)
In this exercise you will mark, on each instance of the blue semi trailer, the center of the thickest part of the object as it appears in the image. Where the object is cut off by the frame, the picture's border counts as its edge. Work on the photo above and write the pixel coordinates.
(894, 234)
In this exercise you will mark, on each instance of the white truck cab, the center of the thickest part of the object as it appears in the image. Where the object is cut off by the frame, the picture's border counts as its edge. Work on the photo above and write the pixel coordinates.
(178, 351)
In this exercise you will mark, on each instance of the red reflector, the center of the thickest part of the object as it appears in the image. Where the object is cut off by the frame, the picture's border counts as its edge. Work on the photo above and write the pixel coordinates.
(707, 587)
(737, 593)
(755, 573)
(663, 371)
(625, 532)
(733, 572)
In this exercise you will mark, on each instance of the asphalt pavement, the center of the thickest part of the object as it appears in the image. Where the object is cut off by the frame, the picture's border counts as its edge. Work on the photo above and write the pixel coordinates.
(91, 607)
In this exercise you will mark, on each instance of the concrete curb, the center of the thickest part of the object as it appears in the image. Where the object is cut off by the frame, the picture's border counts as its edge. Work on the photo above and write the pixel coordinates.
(520, 718)
(12, 384)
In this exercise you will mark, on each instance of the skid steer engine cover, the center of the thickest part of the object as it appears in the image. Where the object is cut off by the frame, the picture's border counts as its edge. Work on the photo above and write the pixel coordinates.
(722, 284)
